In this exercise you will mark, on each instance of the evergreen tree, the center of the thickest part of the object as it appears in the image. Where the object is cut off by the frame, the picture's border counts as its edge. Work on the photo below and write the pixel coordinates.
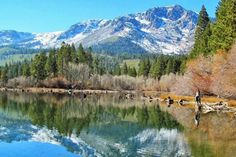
(148, 66)
(144, 67)
(161, 66)
(73, 54)
(4, 76)
(200, 39)
(202, 23)
(177, 64)
(20, 69)
(154, 69)
(224, 29)
(141, 68)
(124, 70)
(26, 69)
(204, 42)
(89, 58)
(61, 60)
(67, 54)
(96, 65)
(117, 70)
(158, 67)
(38, 68)
(51, 65)
(182, 67)
(81, 54)
(132, 71)
(170, 66)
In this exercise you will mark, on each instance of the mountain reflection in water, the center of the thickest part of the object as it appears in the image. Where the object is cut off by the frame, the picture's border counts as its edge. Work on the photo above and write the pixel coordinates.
(95, 126)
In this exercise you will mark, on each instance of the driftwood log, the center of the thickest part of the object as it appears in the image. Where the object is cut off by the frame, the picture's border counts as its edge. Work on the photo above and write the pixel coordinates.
(218, 107)
(206, 107)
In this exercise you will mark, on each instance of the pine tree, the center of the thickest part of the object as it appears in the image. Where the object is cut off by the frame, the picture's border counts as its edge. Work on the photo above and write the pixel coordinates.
(38, 68)
(154, 69)
(141, 68)
(182, 67)
(170, 66)
(96, 65)
(117, 70)
(203, 23)
(51, 65)
(204, 43)
(67, 54)
(61, 64)
(89, 58)
(224, 29)
(134, 74)
(160, 66)
(132, 71)
(147, 67)
(26, 69)
(4, 76)
(144, 67)
(81, 54)
(124, 70)
(73, 54)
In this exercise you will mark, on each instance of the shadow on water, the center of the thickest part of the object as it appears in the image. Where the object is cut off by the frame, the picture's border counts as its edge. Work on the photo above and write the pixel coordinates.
(101, 125)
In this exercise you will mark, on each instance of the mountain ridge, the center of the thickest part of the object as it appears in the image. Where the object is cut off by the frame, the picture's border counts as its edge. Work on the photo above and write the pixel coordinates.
(167, 30)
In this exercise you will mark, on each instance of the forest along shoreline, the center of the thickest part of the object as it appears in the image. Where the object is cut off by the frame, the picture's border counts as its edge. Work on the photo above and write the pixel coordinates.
(65, 91)
(144, 95)
(207, 105)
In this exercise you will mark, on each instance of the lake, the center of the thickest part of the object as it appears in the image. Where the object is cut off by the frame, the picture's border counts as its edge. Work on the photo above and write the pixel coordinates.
(41, 125)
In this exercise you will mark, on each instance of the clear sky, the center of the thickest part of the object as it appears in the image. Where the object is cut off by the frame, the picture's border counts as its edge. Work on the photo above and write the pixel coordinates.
(58, 15)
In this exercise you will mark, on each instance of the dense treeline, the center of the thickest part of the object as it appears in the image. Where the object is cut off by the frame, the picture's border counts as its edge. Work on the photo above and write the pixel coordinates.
(55, 63)
(69, 62)
(219, 35)
(162, 65)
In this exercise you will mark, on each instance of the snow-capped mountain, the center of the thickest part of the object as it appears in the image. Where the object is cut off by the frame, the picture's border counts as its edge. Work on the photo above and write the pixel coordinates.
(158, 30)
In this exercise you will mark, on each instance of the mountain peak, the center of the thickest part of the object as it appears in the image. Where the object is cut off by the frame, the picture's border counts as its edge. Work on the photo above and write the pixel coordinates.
(158, 30)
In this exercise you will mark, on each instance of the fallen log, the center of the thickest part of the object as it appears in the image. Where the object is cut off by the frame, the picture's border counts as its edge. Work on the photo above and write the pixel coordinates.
(206, 107)
(217, 107)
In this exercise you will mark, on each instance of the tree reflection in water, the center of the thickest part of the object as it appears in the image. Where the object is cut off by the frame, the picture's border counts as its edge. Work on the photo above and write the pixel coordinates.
(110, 125)
(75, 115)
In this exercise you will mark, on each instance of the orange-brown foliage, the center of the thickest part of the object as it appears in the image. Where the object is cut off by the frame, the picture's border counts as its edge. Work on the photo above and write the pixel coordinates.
(212, 75)
(200, 72)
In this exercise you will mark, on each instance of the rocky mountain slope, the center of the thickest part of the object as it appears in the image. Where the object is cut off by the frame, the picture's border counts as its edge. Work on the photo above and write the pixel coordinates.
(165, 30)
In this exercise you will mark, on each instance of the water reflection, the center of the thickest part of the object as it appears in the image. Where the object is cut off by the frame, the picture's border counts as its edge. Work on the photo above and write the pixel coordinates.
(76, 115)
(104, 126)
(92, 127)
(197, 117)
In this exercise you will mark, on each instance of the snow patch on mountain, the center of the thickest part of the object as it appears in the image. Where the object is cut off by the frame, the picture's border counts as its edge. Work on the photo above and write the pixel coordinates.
(168, 30)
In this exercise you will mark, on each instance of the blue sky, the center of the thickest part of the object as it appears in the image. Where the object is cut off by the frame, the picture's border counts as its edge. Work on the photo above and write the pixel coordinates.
(57, 15)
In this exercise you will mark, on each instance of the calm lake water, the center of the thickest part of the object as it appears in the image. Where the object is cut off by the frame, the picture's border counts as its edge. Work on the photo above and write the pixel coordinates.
(67, 126)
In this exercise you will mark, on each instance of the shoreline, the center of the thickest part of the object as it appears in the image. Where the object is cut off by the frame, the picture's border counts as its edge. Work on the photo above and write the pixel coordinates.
(149, 95)
(65, 91)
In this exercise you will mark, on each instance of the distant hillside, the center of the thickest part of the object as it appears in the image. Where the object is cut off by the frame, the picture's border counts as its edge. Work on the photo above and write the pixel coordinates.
(13, 54)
